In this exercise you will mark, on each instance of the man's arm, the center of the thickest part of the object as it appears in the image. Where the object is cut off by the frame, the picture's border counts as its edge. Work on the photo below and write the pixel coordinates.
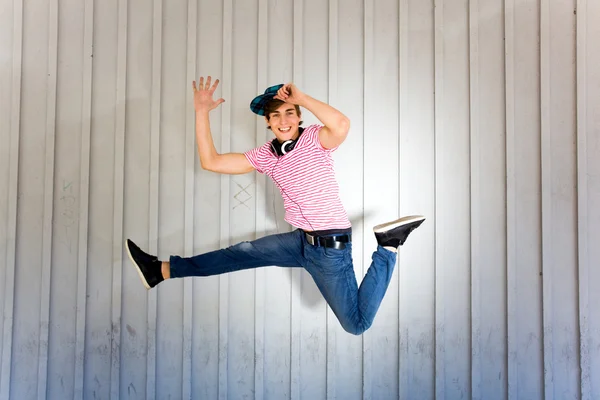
(336, 124)
(230, 163)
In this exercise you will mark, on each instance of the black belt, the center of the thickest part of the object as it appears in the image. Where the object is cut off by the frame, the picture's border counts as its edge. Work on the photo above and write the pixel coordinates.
(333, 241)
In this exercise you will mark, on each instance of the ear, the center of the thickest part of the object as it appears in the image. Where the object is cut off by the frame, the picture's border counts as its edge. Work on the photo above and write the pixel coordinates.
(267, 122)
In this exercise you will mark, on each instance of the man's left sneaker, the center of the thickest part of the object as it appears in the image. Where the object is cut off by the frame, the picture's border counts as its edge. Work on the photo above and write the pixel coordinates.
(149, 267)
(394, 233)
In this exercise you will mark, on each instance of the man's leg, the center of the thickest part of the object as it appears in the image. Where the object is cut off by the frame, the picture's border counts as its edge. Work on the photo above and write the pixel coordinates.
(333, 272)
(278, 250)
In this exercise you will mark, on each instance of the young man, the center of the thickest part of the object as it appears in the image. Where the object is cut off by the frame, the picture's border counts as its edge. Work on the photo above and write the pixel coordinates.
(299, 162)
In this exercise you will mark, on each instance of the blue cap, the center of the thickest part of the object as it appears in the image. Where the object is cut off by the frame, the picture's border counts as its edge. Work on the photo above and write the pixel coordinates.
(259, 103)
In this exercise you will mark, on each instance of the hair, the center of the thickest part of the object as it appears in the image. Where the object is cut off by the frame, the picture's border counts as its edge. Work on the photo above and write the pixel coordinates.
(274, 104)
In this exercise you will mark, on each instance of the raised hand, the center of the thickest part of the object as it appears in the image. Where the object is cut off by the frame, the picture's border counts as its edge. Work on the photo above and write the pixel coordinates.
(203, 95)
(290, 94)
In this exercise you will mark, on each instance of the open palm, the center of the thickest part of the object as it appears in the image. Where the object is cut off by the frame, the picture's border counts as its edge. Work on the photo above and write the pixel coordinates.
(203, 95)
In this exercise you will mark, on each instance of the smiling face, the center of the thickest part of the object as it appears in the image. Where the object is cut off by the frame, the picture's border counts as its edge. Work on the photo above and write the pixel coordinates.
(284, 120)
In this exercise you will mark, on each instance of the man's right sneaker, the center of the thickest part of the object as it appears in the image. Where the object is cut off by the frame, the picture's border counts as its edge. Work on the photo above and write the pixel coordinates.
(149, 267)
(394, 233)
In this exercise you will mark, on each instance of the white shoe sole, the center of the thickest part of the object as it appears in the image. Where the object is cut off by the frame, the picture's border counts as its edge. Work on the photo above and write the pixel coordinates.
(137, 267)
(399, 222)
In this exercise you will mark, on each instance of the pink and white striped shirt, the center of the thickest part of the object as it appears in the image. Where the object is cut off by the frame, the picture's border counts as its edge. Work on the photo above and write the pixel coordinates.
(306, 179)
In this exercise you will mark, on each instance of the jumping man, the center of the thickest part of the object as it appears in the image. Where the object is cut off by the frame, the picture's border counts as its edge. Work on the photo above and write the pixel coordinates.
(299, 161)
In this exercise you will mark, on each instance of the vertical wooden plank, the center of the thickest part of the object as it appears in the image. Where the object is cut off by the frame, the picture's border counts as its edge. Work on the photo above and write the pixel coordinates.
(13, 176)
(84, 191)
(296, 277)
(29, 207)
(97, 328)
(48, 199)
(511, 201)
(278, 332)
(488, 205)
(350, 161)
(138, 196)
(6, 28)
(136, 222)
(474, 198)
(118, 201)
(403, 330)
(528, 324)
(169, 98)
(368, 55)
(6, 32)
(546, 149)
(417, 170)
(548, 320)
(261, 209)
(207, 189)
(559, 206)
(381, 193)
(316, 79)
(440, 311)
(588, 12)
(582, 199)
(70, 170)
(453, 202)
(313, 311)
(153, 212)
(332, 90)
(225, 197)
(241, 284)
(190, 158)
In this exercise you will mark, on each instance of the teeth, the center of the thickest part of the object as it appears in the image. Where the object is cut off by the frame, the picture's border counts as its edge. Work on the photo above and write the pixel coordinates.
(284, 129)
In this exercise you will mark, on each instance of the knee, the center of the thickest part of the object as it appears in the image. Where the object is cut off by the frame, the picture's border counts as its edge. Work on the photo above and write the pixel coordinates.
(244, 245)
(241, 247)
(356, 328)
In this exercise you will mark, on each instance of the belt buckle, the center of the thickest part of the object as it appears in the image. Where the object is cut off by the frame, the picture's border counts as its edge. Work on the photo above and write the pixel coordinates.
(310, 239)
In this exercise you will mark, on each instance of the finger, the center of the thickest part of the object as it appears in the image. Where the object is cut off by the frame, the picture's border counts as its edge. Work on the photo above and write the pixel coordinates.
(208, 82)
(201, 84)
(281, 93)
(194, 85)
(214, 86)
(221, 100)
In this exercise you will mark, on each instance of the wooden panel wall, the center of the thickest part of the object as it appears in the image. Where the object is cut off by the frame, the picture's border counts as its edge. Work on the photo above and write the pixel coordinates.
(482, 115)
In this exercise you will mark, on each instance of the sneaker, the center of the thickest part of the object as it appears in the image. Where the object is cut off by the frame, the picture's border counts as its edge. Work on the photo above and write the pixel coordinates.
(149, 267)
(394, 233)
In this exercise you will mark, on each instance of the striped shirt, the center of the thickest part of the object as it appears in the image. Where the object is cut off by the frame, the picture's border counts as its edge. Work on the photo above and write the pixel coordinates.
(306, 179)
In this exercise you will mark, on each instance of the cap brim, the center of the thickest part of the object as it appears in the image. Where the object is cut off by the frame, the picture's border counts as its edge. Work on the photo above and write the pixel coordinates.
(258, 104)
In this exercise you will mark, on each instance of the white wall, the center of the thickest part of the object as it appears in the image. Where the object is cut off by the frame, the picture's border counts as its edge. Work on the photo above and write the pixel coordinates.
(482, 115)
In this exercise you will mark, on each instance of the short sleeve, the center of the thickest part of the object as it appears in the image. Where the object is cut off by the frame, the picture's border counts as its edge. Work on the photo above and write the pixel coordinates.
(312, 133)
(257, 157)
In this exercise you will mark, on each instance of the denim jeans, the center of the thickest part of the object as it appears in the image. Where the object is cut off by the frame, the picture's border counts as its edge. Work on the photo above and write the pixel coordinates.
(331, 269)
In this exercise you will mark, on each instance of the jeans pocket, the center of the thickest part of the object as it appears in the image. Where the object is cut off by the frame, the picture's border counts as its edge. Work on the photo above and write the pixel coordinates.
(334, 254)
(335, 259)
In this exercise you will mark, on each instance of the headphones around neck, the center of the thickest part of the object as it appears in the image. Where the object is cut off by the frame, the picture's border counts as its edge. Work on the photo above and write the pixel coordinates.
(281, 149)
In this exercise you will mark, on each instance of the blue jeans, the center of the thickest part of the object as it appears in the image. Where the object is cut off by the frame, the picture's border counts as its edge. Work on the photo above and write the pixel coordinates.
(331, 269)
